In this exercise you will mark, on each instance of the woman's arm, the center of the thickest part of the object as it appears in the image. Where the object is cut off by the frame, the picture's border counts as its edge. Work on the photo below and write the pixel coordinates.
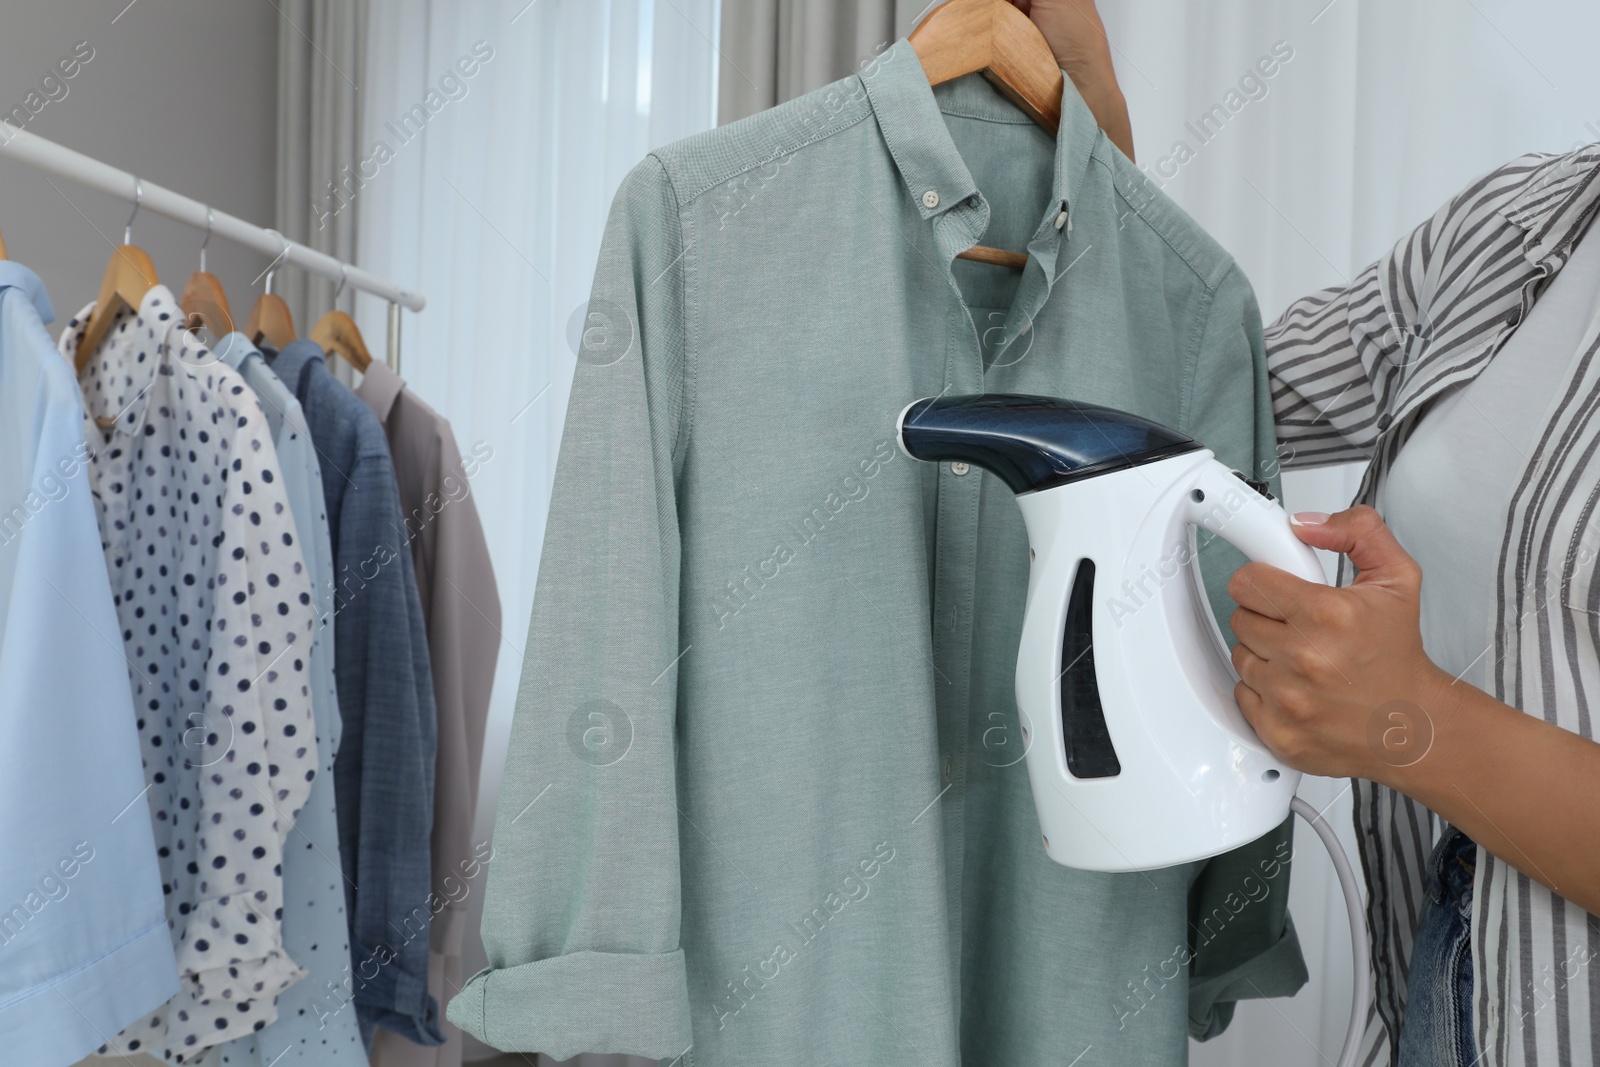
(1078, 38)
(1336, 682)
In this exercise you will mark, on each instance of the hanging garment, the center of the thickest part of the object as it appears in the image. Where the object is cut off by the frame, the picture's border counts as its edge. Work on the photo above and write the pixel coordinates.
(1356, 370)
(383, 775)
(217, 623)
(764, 801)
(461, 608)
(84, 947)
(315, 1022)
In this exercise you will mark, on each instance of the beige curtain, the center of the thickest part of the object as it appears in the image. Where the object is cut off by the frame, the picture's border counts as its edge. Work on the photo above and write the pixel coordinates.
(321, 63)
(776, 50)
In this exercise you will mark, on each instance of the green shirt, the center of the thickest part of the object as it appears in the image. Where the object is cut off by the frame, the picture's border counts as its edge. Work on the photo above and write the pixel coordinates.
(764, 802)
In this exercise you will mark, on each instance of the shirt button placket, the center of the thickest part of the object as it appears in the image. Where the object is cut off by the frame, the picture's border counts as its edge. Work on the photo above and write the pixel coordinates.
(956, 556)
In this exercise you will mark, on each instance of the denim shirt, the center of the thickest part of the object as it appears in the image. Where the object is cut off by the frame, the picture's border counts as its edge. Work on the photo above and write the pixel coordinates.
(383, 773)
(764, 801)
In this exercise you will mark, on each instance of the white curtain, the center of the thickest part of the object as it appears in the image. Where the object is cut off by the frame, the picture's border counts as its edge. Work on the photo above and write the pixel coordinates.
(321, 64)
(1383, 109)
(775, 50)
(491, 199)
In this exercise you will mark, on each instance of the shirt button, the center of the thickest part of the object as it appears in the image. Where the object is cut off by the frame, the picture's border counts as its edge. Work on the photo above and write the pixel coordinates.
(958, 468)
(930, 199)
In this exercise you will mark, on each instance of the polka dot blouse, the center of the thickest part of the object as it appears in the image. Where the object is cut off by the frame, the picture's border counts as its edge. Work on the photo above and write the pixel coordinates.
(217, 621)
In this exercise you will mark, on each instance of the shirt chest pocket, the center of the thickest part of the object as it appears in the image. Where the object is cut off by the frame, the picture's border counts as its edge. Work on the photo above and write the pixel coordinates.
(1412, 344)
(1580, 576)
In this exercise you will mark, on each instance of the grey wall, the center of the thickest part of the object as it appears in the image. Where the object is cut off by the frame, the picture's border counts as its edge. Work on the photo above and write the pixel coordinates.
(181, 92)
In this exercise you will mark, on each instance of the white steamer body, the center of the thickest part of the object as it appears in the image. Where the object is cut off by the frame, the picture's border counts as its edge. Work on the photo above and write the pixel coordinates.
(1194, 779)
(1157, 766)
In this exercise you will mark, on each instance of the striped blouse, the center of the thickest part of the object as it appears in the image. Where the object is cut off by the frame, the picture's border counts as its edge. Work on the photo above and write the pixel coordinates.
(1353, 368)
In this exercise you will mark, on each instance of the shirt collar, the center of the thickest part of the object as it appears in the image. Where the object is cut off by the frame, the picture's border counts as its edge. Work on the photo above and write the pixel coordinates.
(140, 344)
(234, 348)
(1554, 205)
(914, 129)
(14, 275)
(380, 387)
(294, 361)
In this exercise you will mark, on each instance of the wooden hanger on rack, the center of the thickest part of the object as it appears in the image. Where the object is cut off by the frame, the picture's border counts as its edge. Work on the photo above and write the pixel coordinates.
(2, 246)
(270, 320)
(338, 332)
(994, 38)
(203, 301)
(129, 276)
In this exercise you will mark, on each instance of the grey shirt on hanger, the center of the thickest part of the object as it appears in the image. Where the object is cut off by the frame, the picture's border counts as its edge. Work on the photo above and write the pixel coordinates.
(461, 609)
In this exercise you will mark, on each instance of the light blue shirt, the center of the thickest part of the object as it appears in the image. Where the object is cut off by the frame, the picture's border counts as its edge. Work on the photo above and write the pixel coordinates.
(315, 1022)
(84, 946)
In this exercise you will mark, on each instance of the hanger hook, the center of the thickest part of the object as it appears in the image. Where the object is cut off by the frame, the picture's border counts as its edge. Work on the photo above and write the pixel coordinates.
(344, 276)
(394, 336)
(207, 240)
(283, 257)
(138, 195)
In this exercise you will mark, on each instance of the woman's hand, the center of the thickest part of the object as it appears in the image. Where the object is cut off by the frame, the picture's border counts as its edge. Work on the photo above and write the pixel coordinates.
(1336, 683)
(1076, 35)
(1334, 680)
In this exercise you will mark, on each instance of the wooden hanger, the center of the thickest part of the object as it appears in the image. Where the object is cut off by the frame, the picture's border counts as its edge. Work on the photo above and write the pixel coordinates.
(2, 246)
(994, 38)
(338, 332)
(129, 276)
(203, 301)
(270, 320)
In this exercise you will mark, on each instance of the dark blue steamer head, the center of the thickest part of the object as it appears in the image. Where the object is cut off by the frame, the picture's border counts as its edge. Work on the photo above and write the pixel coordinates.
(1034, 442)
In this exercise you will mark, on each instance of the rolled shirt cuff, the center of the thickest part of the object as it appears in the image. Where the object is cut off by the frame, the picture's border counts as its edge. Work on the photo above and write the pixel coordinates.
(397, 999)
(628, 1003)
(1280, 971)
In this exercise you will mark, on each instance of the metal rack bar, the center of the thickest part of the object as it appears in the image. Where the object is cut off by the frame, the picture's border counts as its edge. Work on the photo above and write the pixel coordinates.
(46, 155)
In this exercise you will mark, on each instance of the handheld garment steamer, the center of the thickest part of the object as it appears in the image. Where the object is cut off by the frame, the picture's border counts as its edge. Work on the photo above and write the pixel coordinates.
(1137, 751)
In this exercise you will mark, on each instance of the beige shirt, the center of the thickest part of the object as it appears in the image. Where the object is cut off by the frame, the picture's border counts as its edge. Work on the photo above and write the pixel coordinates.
(461, 609)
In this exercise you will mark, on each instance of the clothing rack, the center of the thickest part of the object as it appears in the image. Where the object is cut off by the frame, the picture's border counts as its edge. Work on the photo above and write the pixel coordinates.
(48, 156)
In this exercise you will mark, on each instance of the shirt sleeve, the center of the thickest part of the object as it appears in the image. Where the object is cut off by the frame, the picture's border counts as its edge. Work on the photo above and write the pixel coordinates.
(462, 613)
(383, 773)
(1242, 942)
(581, 912)
(1229, 367)
(1326, 399)
(257, 731)
(78, 836)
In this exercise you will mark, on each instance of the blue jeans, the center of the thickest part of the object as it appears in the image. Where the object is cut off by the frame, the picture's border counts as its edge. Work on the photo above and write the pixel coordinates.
(1437, 1029)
